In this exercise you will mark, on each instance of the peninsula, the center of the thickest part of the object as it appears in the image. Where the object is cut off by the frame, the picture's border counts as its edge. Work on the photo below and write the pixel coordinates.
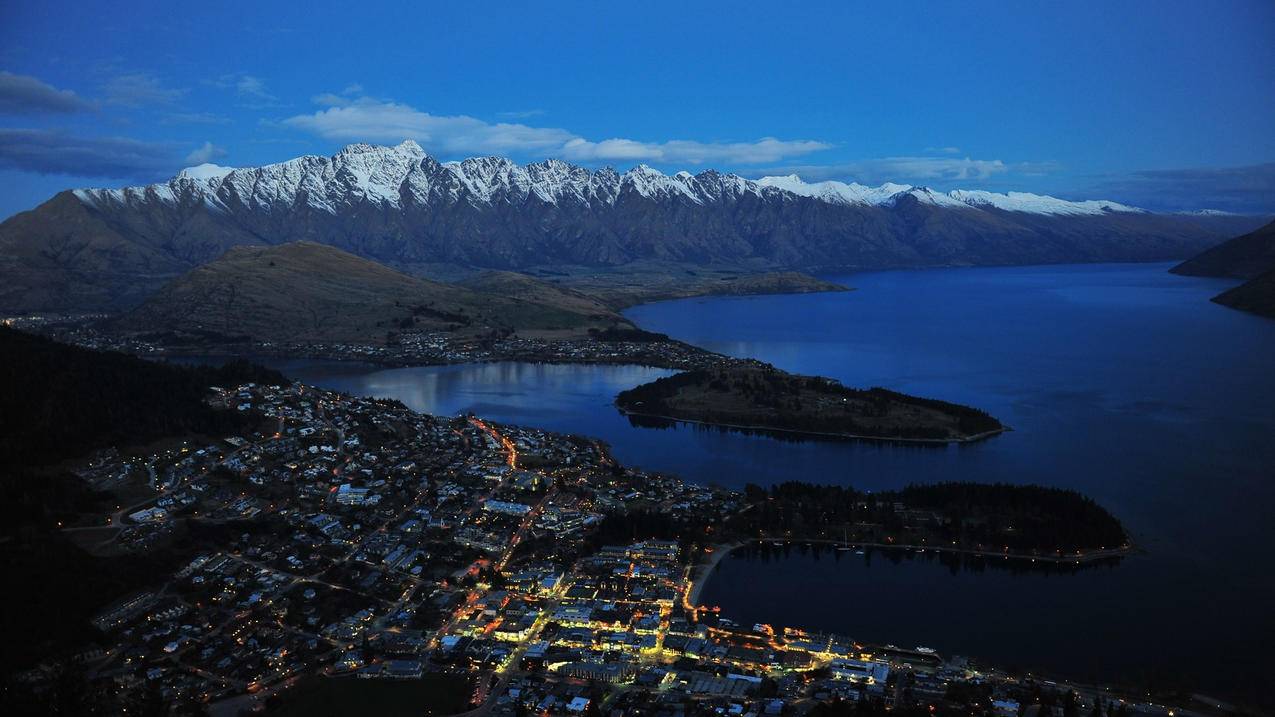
(751, 395)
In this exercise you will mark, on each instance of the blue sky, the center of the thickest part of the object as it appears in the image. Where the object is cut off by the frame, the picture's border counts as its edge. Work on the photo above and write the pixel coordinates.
(1168, 105)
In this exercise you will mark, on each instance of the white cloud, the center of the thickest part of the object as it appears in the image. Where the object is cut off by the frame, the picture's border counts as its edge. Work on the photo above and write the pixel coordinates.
(206, 153)
(766, 149)
(140, 89)
(194, 118)
(520, 114)
(900, 169)
(942, 167)
(345, 97)
(376, 121)
(328, 99)
(366, 119)
(249, 86)
(251, 90)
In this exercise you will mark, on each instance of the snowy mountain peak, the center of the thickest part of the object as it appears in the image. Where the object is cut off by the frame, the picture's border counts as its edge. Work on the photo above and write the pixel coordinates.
(207, 170)
(409, 146)
(645, 171)
(361, 148)
(654, 184)
(925, 195)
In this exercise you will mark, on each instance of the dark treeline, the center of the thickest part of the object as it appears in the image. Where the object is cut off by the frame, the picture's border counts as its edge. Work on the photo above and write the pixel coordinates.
(617, 333)
(995, 515)
(954, 563)
(625, 528)
(620, 528)
(58, 587)
(63, 401)
(971, 420)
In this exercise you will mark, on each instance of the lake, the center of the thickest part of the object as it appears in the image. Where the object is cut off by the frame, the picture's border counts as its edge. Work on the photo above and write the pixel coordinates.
(1120, 380)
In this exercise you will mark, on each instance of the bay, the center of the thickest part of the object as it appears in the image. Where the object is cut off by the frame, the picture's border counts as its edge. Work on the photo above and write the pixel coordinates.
(1121, 381)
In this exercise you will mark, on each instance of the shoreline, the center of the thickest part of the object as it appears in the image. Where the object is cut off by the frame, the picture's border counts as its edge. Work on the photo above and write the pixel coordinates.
(974, 438)
(406, 363)
(702, 573)
(1093, 556)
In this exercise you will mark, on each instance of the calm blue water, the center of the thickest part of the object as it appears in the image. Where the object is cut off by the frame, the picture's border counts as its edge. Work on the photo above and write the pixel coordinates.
(1122, 381)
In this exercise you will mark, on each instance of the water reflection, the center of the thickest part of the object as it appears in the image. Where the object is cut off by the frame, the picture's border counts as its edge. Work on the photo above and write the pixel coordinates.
(1121, 381)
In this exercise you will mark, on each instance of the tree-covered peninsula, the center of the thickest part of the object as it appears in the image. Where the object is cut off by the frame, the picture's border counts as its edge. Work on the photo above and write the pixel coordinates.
(750, 395)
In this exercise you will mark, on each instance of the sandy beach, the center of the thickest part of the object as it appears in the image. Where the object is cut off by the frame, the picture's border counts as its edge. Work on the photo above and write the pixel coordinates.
(703, 572)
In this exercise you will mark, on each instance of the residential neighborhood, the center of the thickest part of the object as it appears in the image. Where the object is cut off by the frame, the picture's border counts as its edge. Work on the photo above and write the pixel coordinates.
(361, 541)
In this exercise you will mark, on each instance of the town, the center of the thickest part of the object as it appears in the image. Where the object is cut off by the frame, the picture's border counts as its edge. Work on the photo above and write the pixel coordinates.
(402, 348)
(350, 544)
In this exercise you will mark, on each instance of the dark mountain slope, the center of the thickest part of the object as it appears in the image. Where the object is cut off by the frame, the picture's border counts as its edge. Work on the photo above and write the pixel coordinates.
(1252, 257)
(61, 401)
(304, 291)
(528, 288)
(1243, 257)
(1257, 295)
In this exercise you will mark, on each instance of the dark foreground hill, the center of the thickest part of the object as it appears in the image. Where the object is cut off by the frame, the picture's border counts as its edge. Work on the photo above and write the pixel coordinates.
(62, 401)
(1257, 295)
(304, 291)
(1252, 257)
(1243, 257)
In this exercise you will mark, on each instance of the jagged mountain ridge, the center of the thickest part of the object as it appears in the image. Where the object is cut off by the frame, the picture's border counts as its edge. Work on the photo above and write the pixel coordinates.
(401, 175)
(108, 249)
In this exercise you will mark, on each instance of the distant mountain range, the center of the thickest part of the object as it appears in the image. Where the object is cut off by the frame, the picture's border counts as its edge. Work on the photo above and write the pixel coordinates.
(1251, 257)
(109, 249)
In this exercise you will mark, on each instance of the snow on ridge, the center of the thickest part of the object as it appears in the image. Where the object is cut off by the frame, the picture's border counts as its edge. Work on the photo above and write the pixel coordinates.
(835, 192)
(207, 170)
(652, 183)
(888, 194)
(385, 175)
(1038, 203)
(925, 195)
(1207, 213)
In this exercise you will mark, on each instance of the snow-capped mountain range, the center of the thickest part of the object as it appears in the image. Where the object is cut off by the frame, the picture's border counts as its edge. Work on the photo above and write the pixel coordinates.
(102, 249)
(390, 176)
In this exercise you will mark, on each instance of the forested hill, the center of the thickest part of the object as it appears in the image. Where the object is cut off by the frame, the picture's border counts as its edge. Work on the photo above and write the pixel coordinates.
(757, 396)
(984, 516)
(62, 401)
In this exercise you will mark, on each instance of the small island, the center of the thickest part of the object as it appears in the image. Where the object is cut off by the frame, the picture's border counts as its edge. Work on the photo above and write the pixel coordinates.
(755, 396)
